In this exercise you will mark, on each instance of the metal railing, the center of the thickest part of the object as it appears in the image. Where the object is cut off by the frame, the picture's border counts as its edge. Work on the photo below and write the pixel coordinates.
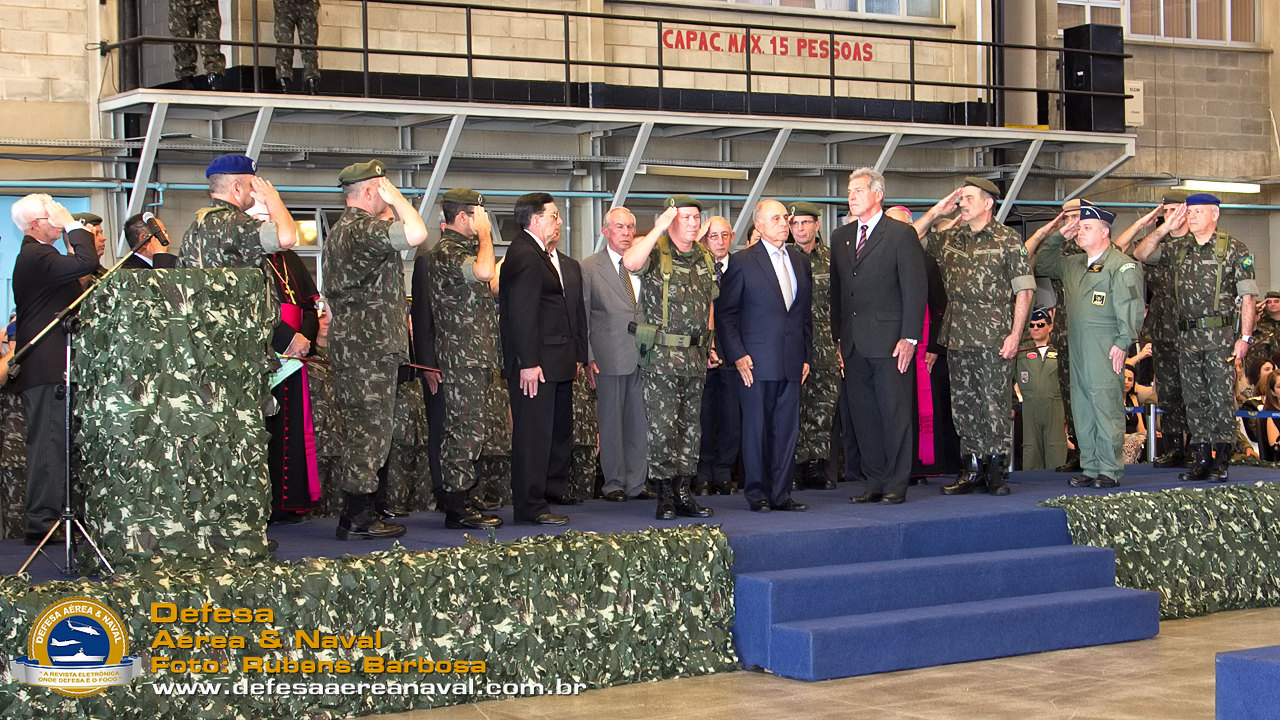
(988, 90)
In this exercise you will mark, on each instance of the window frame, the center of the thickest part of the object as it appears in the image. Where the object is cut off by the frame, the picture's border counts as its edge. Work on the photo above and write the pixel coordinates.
(1194, 11)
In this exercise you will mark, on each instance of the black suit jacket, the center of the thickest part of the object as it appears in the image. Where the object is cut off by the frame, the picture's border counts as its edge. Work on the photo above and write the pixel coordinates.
(45, 282)
(877, 298)
(752, 318)
(159, 261)
(423, 321)
(542, 323)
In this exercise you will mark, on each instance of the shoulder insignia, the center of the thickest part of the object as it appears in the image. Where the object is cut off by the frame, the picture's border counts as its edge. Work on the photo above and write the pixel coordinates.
(1022, 250)
(1024, 376)
(1248, 260)
(1128, 266)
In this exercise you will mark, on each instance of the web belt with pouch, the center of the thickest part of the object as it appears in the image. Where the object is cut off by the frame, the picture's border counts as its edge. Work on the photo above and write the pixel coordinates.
(1212, 321)
(649, 336)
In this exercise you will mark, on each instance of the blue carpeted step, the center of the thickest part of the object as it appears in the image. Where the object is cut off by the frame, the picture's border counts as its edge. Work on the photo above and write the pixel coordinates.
(871, 541)
(766, 598)
(868, 643)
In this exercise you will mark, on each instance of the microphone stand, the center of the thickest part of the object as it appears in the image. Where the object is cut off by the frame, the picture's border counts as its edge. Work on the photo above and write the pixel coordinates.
(68, 521)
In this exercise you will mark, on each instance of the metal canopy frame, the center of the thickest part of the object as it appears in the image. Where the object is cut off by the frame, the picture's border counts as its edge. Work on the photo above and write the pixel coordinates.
(217, 108)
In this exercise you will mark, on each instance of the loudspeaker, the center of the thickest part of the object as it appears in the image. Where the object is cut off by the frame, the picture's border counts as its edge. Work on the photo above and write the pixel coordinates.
(1093, 73)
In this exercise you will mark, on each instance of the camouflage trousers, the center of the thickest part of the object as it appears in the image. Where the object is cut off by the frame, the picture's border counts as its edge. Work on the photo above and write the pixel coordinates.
(582, 472)
(331, 499)
(13, 502)
(1164, 361)
(300, 14)
(198, 19)
(981, 401)
(673, 404)
(819, 397)
(469, 423)
(366, 395)
(1207, 391)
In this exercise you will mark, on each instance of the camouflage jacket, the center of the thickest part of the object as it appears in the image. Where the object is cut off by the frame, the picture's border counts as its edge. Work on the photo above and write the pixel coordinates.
(1161, 323)
(364, 283)
(465, 313)
(824, 351)
(692, 290)
(13, 431)
(224, 236)
(1193, 284)
(982, 271)
(324, 407)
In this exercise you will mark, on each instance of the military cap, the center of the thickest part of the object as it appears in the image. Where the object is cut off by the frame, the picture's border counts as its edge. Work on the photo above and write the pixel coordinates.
(232, 165)
(1273, 294)
(982, 184)
(1073, 204)
(679, 201)
(804, 208)
(357, 172)
(1040, 313)
(88, 218)
(1203, 199)
(463, 196)
(1173, 197)
(1089, 211)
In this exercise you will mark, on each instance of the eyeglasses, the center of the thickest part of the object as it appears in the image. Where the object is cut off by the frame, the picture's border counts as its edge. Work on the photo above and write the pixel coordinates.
(553, 215)
(1039, 324)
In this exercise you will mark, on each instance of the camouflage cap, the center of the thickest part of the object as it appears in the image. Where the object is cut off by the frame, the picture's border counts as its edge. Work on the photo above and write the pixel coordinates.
(358, 172)
(983, 184)
(88, 218)
(679, 201)
(232, 165)
(463, 196)
(1174, 197)
(804, 208)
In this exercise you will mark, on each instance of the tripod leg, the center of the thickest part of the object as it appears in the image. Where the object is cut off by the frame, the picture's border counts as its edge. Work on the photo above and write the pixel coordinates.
(52, 529)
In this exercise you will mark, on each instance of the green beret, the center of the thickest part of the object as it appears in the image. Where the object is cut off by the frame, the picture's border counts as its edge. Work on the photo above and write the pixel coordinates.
(362, 171)
(982, 184)
(1273, 294)
(88, 218)
(804, 208)
(1173, 197)
(680, 201)
(463, 196)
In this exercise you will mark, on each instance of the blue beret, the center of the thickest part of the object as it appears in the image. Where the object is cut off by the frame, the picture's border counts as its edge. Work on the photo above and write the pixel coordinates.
(232, 165)
(1203, 199)
(1089, 211)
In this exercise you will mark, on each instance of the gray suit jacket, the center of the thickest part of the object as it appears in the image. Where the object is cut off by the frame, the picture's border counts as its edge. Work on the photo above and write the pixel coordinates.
(609, 344)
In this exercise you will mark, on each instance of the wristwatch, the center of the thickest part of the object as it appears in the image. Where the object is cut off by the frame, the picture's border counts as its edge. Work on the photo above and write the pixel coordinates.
(1248, 339)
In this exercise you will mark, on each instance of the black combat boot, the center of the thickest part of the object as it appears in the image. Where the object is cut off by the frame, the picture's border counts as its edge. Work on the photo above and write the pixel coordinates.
(461, 514)
(1174, 455)
(686, 506)
(380, 506)
(970, 478)
(1221, 460)
(358, 521)
(666, 499)
(700, 486)
(1072, 463)
(1200, 464)
(822, 480)
(996, 470)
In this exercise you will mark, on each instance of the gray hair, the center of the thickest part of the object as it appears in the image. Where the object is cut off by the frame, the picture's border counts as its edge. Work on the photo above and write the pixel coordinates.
(875, 180)
(28, 209)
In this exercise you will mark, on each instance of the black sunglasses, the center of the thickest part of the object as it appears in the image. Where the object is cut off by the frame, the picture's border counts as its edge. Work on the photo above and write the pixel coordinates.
(1039, 324)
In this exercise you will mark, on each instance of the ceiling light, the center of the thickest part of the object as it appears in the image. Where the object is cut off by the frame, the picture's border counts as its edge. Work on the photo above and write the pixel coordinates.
(694, 172)
(1218, 186)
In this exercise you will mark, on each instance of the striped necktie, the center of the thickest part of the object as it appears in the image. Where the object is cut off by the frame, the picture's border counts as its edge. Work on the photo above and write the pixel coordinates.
(862, 240)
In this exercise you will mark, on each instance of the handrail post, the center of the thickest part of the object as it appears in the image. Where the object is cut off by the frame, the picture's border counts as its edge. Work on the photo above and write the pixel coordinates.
(568, 60)
(471, 75)
(364, 50)
(660, 61)
(257, 51)
(1151, 433)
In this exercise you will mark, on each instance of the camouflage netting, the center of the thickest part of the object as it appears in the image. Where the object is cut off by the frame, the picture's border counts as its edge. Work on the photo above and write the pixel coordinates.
(171, 368)
(1203, 549)
(581, 607)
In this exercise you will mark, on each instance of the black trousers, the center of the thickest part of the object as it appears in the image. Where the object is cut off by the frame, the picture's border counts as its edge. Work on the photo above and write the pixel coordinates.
(880, 401)
(46, 455)
(541, 445)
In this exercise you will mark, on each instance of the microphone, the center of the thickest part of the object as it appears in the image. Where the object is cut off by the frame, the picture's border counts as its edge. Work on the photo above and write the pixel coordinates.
(156, 229)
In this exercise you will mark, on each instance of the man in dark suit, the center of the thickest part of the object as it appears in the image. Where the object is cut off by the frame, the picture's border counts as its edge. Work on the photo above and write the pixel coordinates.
(422, 345)
(878, 293)
(721, 442)
(544, 343)
(45, 282)
(611, 295)
(151, 255)
(764, 327)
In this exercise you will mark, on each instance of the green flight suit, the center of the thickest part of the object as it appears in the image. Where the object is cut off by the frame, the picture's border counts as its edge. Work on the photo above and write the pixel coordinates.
(1105, 302)
(1044, 436)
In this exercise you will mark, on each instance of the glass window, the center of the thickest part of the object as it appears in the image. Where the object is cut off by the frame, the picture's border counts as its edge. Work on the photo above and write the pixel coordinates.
(1211, 16)
(924, 8)
(1144, 17)
(1243, 21)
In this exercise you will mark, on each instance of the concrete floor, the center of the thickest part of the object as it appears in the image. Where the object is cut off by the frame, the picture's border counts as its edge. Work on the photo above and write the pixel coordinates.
(1170, 677)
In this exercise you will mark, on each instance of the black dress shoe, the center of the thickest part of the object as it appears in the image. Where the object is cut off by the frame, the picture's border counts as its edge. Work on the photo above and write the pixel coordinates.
(646, 494)
(866, 497)
(1103, 481)
(391, 513)
(918, 481)
(615, 496)
(791, 506)
(562, 500)
(1083, 481)
(311, 85)
(471, 520)
(1071, 465)
(760, 506)
(724, 489)
(550, 518)
(284, 85)
(214, 81)
(892, 499)
(483, 503)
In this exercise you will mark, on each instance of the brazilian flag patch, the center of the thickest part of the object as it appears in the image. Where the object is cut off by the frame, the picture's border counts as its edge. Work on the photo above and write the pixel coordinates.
(1247, 261)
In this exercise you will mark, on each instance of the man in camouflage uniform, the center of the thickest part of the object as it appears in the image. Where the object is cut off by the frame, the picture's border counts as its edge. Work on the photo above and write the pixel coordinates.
(1161, 326)
(989, 291)
(369, 335)
(199, 19)
(821, 392)
(677, 272)
(1104, 294)
(13, 451)
(1267, 333)
(223, 235)
(462, 282)
(1210, 268)
(303, 15)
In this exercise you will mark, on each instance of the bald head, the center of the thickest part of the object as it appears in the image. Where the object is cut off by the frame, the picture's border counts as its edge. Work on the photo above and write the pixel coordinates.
(771, 222)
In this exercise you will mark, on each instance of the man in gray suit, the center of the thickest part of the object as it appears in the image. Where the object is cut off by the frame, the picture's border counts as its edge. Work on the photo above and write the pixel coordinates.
(610, 295)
